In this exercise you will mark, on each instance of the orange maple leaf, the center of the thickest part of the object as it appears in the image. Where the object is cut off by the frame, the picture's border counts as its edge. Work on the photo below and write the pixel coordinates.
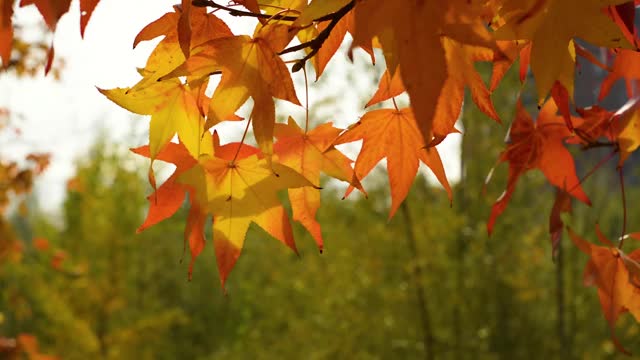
(594, 123)
(617, 277)
(311, 153)
(28, 344)
(86, 10)
(410, 34)
(538, 145)
(626, 66)
(628, 128)
(330, 45)
(551, 26)
(51, 10)
(6, 31)
(393, 134)
(178, 34)
(561, 204)
(461, 73)
(170, 196)
(509, 52)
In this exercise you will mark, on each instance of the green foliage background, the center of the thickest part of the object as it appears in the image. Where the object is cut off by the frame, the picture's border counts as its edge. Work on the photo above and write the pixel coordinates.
(119, 295)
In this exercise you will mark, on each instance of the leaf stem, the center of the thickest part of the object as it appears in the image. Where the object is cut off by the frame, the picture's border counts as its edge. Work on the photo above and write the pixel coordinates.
(592, 171)
(244, 136)
(306, 100)
(624, 207)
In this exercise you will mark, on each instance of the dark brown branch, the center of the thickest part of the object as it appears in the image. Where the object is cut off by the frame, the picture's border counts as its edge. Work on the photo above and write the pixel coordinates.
(236, 12)
(598, 144)
(316, 43)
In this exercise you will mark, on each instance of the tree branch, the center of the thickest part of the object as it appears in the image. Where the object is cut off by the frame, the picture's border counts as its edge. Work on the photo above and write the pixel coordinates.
(316, 43)
(236, 12)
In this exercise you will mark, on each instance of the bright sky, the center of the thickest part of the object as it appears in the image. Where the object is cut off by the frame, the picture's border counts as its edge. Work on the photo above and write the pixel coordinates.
(65, 117)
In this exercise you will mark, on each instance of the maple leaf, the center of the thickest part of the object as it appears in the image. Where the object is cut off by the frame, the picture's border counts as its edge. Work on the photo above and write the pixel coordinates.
(317, 9)
(538, 145)
(461, 73)
(629, 128)
(510, 51)
(616, 276)
(173, 108)
(410, 35)
(29, 345)
(170, 196)
(393, 134)
(179, 34)
(389, 87)
(551, 26)
(51, 10)
(239, 191)
(330, 45)
(86, 10)
(502, 61)
(6, 31)
(311, 153)
(250, 68)
(626, 66)
(594, 122)
(561, 204)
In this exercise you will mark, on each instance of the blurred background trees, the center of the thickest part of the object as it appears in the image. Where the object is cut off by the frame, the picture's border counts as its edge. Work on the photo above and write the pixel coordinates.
(429, 283)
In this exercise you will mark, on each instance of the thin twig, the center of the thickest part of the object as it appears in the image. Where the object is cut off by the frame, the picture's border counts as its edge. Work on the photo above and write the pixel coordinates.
(244, 135)
(306, 101)
(236, 12)
(599, 144)
(624, 208)
(316, 43)
(592, 171)
(395, 105)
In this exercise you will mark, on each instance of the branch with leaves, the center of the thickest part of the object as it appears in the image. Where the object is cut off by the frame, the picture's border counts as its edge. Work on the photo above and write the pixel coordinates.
(430, 50)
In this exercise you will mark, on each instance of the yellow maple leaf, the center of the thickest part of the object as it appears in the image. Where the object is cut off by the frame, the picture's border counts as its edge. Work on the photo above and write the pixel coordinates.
(239, 192)
(173, 109)
(250, 68)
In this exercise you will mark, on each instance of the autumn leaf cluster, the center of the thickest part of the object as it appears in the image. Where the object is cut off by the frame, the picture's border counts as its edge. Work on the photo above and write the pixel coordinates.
(200, 74)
